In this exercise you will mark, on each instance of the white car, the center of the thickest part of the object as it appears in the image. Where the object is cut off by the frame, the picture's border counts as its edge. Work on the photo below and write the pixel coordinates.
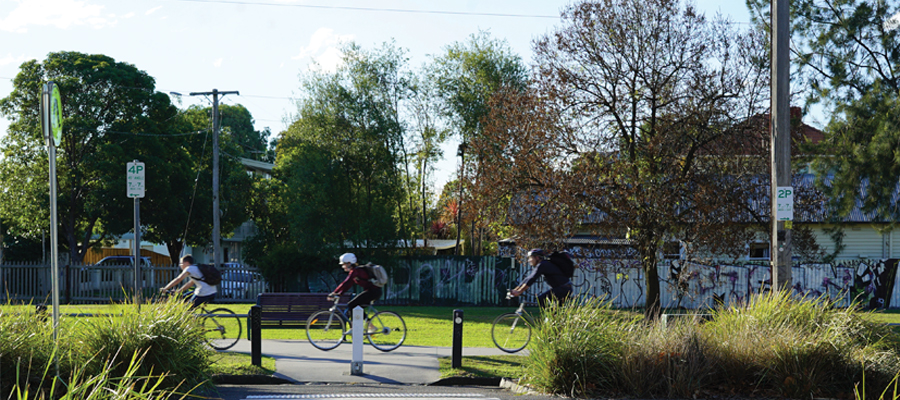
(240, 283)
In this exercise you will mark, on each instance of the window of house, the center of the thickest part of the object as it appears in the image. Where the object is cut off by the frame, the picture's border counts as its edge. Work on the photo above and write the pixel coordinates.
(759, 251)
(672, 250)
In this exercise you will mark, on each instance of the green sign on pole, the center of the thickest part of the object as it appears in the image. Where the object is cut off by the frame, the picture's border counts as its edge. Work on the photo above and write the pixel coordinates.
(55, 114)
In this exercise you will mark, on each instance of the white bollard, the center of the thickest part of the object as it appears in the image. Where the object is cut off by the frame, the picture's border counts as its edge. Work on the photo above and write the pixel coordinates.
(356, 363)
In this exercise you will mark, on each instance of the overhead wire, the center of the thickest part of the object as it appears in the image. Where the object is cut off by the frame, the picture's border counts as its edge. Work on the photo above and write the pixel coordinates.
(396, 10)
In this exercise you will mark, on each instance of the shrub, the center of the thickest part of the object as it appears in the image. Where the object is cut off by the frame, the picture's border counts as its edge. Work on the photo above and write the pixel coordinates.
(26, 346)
(167, 334)
(575, 347)
(102, 386)
(774, 345)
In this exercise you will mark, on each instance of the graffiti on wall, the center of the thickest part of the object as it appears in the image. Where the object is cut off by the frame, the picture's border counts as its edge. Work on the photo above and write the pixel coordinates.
(451, 280)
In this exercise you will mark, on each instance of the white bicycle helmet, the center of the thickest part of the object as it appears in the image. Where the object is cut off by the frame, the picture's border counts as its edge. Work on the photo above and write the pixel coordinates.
(347, 258)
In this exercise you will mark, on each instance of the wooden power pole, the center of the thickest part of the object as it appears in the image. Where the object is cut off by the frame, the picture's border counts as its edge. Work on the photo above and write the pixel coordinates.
(216, 234)
(782, 217)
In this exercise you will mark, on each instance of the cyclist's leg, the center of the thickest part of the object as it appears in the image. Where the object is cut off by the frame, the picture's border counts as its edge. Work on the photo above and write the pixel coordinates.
(543, 298)
(363, 300)
(197, 301)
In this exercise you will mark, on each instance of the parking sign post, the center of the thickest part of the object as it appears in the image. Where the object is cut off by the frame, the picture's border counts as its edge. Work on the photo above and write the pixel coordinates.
(134, 177)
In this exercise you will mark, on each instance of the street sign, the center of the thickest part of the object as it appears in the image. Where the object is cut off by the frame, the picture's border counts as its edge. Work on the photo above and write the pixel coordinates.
(55, 114)
(784, 199)
(135, 180)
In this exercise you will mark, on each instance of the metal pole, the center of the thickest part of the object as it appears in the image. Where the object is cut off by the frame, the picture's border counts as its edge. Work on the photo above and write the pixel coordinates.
(54, 229)
(216, 234)
(780, 250)
(456, 356)
(137, 251)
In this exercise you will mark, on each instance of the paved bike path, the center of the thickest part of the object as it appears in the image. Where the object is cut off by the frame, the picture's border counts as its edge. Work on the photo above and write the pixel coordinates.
(299, 362)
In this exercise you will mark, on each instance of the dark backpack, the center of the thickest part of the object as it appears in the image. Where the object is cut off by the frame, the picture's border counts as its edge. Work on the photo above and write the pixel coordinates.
(564, 262)
(211, 274)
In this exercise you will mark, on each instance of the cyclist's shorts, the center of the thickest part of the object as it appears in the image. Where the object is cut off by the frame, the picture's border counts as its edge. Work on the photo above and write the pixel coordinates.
(198, 300)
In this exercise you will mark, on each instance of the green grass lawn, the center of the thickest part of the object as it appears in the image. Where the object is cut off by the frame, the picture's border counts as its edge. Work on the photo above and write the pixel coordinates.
(426, 325)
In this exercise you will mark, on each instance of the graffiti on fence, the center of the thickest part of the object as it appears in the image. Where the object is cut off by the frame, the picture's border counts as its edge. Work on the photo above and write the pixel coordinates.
(453, 280)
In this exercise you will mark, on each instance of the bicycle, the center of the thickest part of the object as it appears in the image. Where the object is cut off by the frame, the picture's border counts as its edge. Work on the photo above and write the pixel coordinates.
(221, 326)
(326, 330)
(511, 332)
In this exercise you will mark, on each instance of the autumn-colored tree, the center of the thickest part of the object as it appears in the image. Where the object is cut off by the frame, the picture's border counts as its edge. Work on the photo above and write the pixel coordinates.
(634, 130)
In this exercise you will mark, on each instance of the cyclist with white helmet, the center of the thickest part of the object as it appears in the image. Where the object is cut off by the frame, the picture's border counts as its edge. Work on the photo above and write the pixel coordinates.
(560, 285)
(359, 276)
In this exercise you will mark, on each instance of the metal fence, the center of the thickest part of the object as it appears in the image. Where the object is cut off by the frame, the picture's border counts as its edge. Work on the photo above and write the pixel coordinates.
(79, 284)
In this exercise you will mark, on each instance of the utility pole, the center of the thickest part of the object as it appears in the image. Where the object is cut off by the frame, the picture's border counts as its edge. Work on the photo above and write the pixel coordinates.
(216, 234)
(780, 250)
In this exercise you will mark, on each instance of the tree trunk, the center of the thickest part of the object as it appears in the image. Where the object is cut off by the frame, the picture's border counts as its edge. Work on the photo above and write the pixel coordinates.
(653, 310)
(175, 248)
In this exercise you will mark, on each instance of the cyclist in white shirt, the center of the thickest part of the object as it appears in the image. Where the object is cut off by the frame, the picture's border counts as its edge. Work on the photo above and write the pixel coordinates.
(205, 293)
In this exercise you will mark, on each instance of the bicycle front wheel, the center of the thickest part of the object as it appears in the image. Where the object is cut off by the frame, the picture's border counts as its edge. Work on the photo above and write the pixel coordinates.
(386, 330)
(511, 332)
(325, 330)
(222, 328)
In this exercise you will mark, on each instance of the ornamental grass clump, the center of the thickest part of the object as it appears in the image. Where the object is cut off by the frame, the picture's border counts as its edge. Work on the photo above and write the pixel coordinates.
(576, 348)
(167, 334)
(26, 346)
(105, 385)
(665, 360)
(803, 348)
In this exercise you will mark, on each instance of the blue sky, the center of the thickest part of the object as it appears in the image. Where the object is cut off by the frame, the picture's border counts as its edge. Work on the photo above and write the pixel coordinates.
(260, 47)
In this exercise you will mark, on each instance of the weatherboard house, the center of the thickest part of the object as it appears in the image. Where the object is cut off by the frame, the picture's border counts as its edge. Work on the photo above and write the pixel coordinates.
(862, 267)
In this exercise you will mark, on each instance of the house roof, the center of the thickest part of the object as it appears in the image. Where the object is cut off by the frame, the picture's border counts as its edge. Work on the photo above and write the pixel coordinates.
(810, 204)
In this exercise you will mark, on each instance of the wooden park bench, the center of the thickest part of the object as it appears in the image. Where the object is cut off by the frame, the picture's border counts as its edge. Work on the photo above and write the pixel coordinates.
(283, 311)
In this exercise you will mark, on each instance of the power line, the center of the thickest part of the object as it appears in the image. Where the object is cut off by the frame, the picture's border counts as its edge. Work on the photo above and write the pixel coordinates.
(400, 10)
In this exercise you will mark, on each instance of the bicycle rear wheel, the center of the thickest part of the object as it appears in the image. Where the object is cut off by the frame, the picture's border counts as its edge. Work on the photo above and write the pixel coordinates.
(386, 330)
(222, 328)
(325, 330)
(511, 332)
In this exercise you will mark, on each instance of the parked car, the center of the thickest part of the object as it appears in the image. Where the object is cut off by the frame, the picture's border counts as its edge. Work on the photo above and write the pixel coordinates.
(122, 260)
(111, 273)
(238, 283)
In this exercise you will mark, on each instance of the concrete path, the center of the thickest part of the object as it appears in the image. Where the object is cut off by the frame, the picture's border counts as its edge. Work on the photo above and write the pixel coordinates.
(299, 362)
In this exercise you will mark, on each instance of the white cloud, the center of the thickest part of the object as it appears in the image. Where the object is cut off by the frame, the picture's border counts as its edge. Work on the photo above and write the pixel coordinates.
(218, 63)
(129, 15)
(153, 10)
(324, 47)
(61, 14)
(892, 22)
(15, 60)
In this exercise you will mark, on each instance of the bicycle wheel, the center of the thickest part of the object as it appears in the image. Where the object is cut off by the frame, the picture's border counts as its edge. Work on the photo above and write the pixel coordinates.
(385, 330)
(511, 332)
(325, 329)
(222, 328)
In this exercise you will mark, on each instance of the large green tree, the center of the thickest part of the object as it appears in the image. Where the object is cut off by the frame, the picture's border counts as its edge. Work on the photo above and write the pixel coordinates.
(338, 176)
(846, 52)
(633, 129)
(111, 115)
(180, 213)
(466, 76)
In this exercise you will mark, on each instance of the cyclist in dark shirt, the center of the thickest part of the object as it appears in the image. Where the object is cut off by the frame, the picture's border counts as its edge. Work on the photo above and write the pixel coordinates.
(356, 275)
(560, 285)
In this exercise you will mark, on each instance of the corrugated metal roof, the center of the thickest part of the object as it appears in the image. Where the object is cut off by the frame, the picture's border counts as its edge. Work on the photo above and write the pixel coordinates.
(809, 207)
